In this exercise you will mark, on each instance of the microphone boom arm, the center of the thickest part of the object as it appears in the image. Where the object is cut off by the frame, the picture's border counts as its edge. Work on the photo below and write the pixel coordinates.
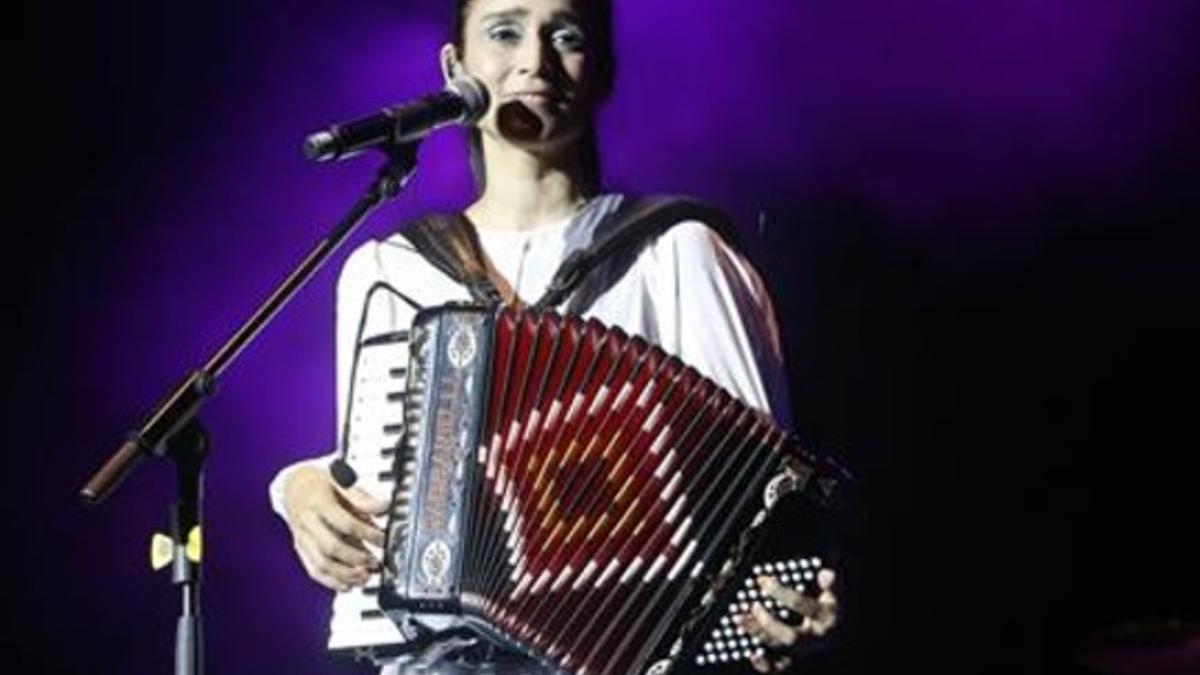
(180, 406)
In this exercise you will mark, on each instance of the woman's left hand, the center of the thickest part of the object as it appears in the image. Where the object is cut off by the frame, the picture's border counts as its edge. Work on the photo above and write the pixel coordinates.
(817, 617)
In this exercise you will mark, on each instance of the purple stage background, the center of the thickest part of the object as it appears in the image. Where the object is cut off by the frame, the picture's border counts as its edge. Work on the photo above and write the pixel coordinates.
(976, 218)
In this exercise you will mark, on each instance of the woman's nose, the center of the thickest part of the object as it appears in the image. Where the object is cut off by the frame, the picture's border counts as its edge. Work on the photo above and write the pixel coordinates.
(534, 55)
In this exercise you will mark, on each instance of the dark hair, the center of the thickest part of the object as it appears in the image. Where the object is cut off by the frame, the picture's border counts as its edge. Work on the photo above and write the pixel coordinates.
(601, 60)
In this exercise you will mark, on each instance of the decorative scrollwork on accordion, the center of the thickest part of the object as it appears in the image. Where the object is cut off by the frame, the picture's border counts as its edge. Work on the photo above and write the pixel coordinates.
(580, 496)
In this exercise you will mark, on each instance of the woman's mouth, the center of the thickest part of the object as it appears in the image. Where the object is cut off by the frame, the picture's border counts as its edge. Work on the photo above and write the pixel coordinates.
(538, 98)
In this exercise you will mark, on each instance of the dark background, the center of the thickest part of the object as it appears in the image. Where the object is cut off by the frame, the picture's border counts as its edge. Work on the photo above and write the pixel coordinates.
(978, 224)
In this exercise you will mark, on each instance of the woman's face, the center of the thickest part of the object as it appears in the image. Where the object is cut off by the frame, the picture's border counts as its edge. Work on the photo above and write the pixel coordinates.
(533, 57)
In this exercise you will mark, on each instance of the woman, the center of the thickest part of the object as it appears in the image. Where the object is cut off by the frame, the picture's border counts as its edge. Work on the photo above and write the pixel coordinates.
(548, 65)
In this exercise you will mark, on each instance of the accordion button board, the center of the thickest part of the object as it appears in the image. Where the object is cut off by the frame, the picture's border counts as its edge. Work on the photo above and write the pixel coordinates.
(576, 495)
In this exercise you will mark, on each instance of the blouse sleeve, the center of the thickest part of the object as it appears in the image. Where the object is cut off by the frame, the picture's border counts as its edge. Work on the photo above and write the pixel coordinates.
(714, 312)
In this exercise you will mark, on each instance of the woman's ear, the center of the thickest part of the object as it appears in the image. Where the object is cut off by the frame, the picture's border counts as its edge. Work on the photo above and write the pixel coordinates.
(451, 66)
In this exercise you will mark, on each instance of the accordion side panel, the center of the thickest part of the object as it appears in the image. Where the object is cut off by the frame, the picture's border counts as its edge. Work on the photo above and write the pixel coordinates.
(453, 362)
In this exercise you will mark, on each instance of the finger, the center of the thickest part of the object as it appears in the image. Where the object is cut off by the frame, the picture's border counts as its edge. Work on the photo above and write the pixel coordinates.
(823, 624)
(348, 526)
(825, 579)
(828, 617)
(350, 553)
(764, 664)
(329, 573)
(775, 632)
(747, 623)
(362, 501)
(331, 545)
(323, 579)
(754, 630)
(827, 600)
(788, 597)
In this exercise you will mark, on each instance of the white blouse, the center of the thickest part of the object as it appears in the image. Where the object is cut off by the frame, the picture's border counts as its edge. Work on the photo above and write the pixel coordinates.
(686, 290)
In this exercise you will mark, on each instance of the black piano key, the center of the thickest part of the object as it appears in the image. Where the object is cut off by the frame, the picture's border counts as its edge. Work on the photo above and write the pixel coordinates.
(386, 338)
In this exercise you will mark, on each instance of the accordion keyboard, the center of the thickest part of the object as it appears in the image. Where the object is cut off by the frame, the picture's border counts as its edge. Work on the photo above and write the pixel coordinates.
(376, 430)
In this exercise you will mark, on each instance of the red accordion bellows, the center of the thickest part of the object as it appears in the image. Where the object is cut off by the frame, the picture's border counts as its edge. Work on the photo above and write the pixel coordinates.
(592, 514)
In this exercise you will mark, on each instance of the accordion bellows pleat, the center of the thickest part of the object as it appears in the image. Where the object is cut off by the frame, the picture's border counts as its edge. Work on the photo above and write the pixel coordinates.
(577, 494)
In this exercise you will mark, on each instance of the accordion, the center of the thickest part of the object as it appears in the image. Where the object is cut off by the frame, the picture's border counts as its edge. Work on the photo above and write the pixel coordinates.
(577, 495)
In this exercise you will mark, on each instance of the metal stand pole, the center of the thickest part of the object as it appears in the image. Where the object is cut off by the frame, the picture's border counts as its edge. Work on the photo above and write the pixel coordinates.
(173, 428)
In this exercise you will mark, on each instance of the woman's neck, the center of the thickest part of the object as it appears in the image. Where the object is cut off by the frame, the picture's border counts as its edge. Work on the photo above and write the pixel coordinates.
(525, 190)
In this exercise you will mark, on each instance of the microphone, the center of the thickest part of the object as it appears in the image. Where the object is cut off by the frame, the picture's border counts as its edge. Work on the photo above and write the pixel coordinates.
(463, 101)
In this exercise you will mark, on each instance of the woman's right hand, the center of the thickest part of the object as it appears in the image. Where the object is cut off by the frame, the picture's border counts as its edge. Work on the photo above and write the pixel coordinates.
(330, 526)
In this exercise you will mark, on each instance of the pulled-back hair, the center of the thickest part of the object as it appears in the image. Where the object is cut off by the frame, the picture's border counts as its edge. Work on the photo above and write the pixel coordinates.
(601, 61)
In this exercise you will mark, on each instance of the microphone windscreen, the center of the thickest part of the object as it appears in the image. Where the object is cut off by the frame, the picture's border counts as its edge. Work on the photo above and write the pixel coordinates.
(474, 95)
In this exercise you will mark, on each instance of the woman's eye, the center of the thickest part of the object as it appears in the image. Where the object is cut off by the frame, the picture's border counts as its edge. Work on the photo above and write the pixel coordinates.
(570, 39)
(503, 33)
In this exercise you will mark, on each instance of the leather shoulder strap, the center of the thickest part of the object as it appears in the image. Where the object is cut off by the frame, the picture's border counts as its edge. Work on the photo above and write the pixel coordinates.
(449, 243)
(631, 225)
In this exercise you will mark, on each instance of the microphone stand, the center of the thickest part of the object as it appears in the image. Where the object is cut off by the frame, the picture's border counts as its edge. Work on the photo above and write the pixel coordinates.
(173, 427)
(188, 447)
